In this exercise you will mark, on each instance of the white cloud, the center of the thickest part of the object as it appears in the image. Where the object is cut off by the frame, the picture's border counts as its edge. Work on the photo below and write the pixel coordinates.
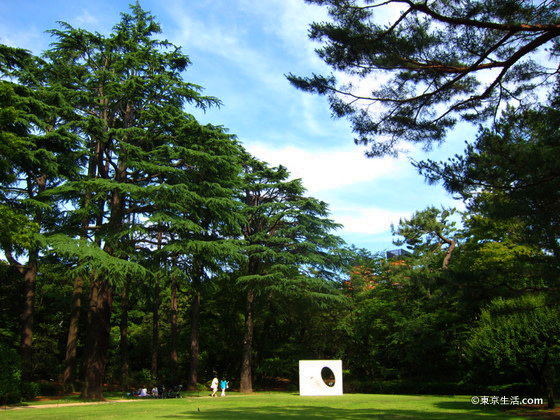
(31, 38)
(289, 20)
(367, 220)
(273, 41)
(324, 170)
(86, 18)
(312, 110)
(228, 40)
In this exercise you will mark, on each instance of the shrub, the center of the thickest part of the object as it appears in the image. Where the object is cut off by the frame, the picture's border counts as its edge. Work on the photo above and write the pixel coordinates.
(142, 378)
(10, 375)
(410, 386)
(30, 390)
(49, 388)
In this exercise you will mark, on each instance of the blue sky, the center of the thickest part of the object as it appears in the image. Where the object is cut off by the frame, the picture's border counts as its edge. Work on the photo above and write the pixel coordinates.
(241, 51)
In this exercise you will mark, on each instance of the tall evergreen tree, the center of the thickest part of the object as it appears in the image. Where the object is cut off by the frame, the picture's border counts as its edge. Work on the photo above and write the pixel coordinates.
(290, 250)
(37, 153)
(197, 213)
(125, 87)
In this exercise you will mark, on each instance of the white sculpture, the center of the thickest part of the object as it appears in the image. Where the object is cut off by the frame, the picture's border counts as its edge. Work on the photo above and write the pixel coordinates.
(320, 377)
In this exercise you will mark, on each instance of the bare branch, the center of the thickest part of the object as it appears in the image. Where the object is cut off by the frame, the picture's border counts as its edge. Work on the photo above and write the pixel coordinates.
(423, 8)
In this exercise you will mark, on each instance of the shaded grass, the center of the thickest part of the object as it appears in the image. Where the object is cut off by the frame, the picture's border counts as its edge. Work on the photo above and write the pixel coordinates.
(281, 406)
(70, 399)
(109, 396)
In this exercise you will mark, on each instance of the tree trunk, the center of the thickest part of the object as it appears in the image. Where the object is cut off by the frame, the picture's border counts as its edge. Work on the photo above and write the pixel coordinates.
(72, 341)
(173, 338)
(68, 377)
(547, 381)
(124, 335)
(101, 299)
(246, 377)
(155, 330)
(540, 375)
(97, 339)
(195, 344)
(30, 279)
(550, 396)
(26, 348)
(451, 246)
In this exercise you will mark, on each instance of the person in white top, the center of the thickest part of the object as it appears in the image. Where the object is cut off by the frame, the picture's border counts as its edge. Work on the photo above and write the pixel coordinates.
(214, 386)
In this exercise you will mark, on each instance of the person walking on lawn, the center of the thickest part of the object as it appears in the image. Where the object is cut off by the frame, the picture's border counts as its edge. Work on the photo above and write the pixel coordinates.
(214, 386)
(224, 386)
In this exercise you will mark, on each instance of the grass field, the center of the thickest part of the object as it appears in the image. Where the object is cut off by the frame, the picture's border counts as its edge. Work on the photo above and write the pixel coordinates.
(282, 406)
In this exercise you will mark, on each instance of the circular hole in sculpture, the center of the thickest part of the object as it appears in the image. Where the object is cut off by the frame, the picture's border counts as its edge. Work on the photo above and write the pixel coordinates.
(328, 376)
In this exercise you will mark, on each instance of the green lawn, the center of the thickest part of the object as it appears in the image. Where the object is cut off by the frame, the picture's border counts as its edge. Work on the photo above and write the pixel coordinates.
(282, 406)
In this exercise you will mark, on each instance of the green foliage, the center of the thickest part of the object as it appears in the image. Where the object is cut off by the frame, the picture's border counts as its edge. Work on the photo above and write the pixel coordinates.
(30, 390)
(415, 387)
(288, 242)
(92, 259)
(16, 230)
(10, 375)
(425, 227)
(515, 333)
(276, 367)
(427, 231)
(519, 335)
(143, 377)
(508, 179)
(435, 54)
(405, 330)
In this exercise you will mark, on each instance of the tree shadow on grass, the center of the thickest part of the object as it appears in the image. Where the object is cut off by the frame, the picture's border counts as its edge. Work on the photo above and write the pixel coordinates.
(515, 411)
(458, 412)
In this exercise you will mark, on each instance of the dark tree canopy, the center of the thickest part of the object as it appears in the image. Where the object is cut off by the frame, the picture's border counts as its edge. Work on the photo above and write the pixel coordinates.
(446, 61)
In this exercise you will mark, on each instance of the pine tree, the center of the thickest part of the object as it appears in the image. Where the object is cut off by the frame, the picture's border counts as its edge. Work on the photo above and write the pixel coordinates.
(447, 60)
(509, 175)
(427, 231)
